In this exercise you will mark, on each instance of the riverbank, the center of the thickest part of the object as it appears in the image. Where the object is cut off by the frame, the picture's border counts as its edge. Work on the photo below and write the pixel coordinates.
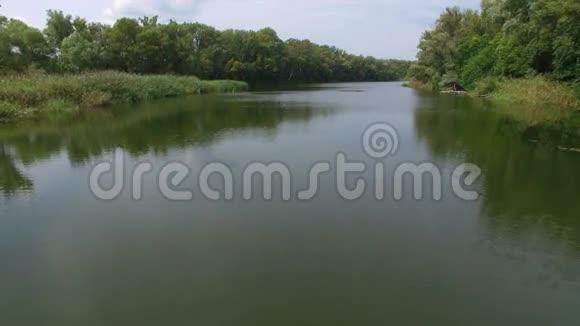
(532, 101)
(29, 96)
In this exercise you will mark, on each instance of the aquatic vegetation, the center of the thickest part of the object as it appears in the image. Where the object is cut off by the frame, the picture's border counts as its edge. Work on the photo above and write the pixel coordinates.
(8, 111)
(531, 100)
(420, 85)
(67, 93)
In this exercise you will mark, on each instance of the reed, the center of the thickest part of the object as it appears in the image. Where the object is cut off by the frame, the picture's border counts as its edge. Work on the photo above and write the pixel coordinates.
(32, 95)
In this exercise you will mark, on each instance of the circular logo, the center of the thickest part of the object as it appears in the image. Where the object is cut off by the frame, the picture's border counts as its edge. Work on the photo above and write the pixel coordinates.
(380, 140)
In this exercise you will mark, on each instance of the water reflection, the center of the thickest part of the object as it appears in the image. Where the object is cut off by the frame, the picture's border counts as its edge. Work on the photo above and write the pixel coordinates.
(71, 259)
(527, 186)
(150, 128)
(12, 180)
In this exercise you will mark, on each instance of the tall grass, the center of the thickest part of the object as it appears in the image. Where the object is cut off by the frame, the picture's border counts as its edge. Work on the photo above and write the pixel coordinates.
(486, 86)
(538, 90)
(532, 100)
(8, 112)
(25, 95)
(577, 89)
(420, 85)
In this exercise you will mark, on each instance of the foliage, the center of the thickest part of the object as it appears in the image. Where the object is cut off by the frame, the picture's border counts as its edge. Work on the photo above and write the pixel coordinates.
(8, 111)
(480, 65)
(66, 93)
(58, 27)
(545, 100)
(78, 53)
(509, 38)
(147, 46)
(511, 58)
(538, 90)
(486, 86)
(421, 73)
(59, 106)
(20, 46)
(420, 85)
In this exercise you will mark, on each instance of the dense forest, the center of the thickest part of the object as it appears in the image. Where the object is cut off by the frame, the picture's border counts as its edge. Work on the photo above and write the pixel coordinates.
(506, 38)
(147, 46)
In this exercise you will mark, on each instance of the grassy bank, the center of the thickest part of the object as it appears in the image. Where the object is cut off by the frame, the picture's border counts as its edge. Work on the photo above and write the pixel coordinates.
(531, 100)
(36, 95)
(421, 85)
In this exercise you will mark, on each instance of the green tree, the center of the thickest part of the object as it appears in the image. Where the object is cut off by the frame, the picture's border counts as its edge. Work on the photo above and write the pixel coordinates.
(150, 47)
(510, 38)
(58, 27)
(146, 45)
(121, 42)
(21, 46)
(512, 58)
(79, 53)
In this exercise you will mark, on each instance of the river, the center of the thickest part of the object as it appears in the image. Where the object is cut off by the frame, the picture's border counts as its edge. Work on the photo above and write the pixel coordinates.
(511, 256)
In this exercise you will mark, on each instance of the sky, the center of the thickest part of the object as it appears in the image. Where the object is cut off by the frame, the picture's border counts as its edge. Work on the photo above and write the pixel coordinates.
(381, 28)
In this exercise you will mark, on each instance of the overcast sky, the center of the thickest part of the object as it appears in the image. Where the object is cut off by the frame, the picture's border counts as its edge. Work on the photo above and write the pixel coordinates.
(382, 28)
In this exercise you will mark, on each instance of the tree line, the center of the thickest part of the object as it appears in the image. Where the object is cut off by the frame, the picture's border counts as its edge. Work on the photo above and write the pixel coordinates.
(506, 38)
(147, 46)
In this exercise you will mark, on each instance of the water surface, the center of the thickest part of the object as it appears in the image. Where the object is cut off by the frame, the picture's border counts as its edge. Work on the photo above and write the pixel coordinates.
(68, 258)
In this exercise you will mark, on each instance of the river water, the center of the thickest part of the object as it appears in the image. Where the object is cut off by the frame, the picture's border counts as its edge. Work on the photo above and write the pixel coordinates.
(509, 257)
